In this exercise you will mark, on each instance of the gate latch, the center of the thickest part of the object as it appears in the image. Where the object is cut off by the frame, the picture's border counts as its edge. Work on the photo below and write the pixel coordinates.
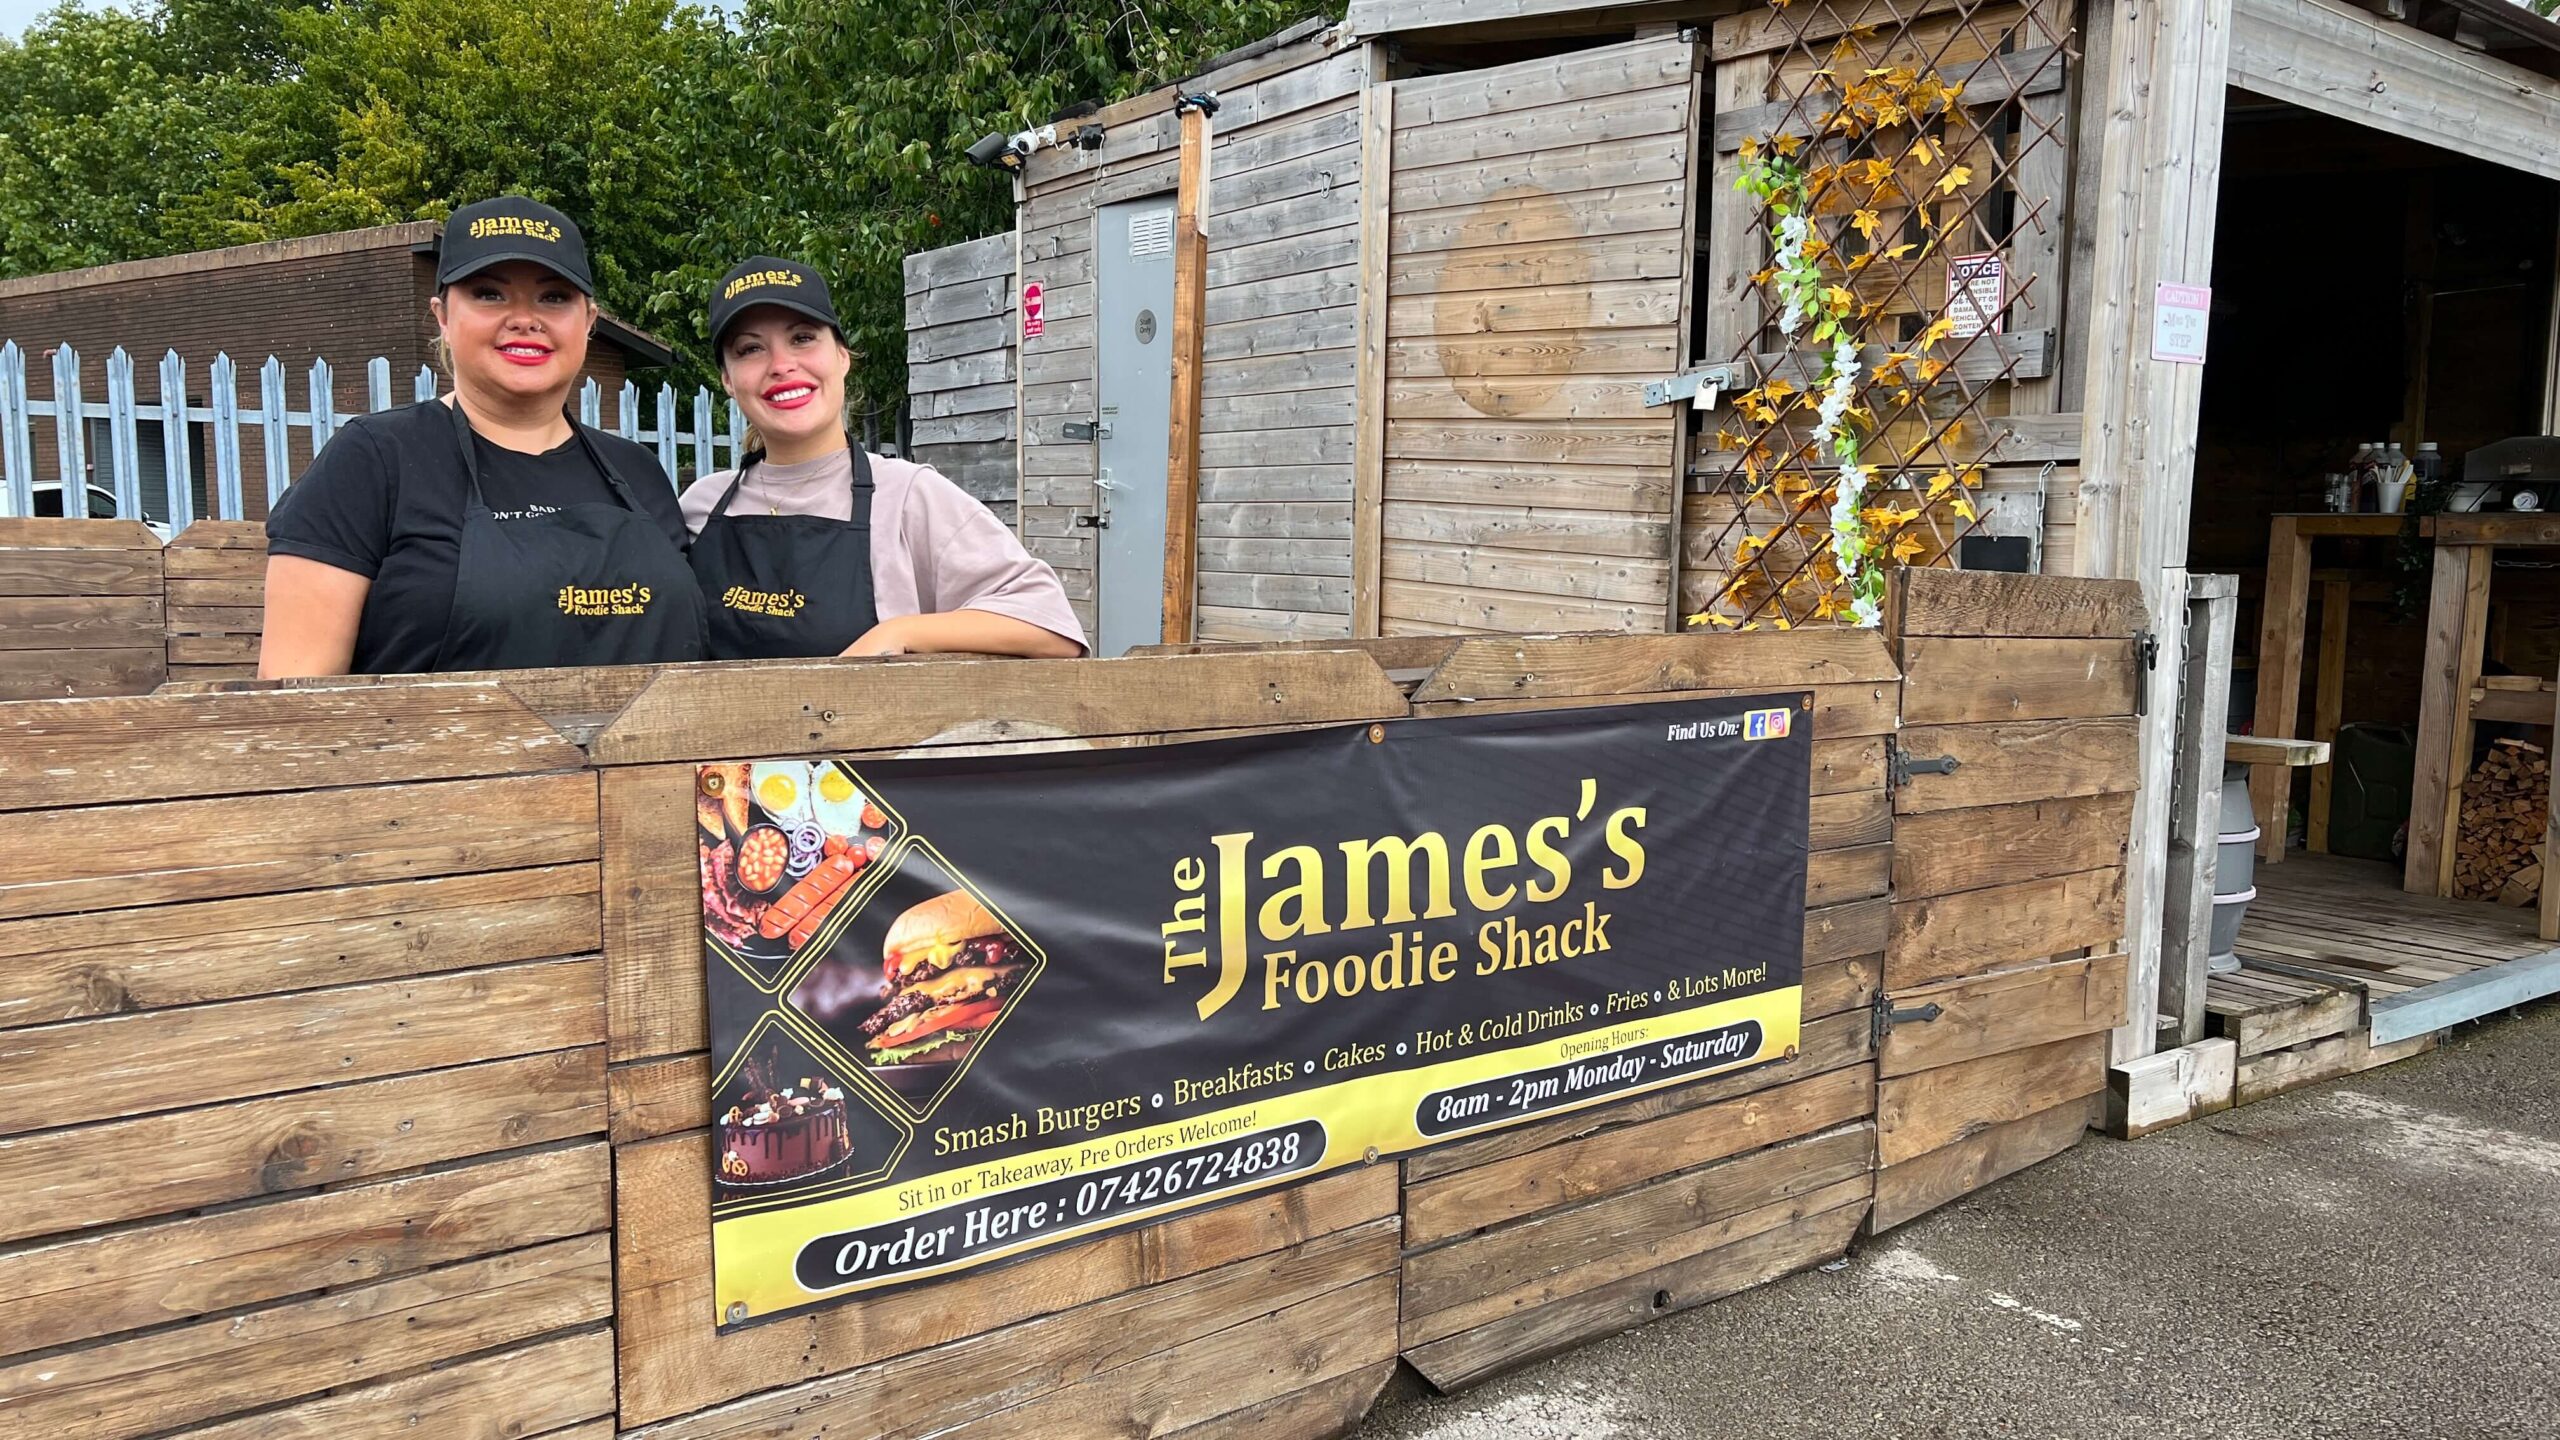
(2146, 658)
(1900, 765)
(1886, 1016)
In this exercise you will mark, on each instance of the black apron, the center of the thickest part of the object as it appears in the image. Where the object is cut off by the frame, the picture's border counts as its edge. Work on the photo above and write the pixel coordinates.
(588, 584)
(782, 586)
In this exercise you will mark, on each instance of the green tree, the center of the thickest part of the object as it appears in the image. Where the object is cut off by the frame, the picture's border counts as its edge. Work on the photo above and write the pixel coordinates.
(852, 123)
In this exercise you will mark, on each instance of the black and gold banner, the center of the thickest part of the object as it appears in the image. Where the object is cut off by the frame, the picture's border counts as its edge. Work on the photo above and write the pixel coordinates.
(962, 1009)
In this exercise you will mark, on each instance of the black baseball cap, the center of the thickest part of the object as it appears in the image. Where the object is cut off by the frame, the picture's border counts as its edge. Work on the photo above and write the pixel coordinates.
(492, 232)
(766, 280)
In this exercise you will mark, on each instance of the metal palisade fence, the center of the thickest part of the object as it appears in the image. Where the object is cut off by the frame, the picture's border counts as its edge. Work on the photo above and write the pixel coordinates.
(177, 451)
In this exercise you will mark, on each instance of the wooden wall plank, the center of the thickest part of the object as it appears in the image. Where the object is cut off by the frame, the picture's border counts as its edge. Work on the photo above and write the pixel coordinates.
(182, 1267)
(1698, 1280)
(59, 674)
(128, 1065)
(1953, 681)
(1987, 603)
(843, 706)
(71, 1179)
(1913, 1188)
(1995, 1014)
(211, 1368)
(673, 1364)
(524, 1391)
(1330, 1407)
(1945, 851)
(68, 966)
(2018, 761)
(1916, 1114)
(1197, 1384)
(652, 912)
(1486, 1277)
(113, 856)
(1548, 667)
(1834, 876)
(1615, 1159)
(1947, 936)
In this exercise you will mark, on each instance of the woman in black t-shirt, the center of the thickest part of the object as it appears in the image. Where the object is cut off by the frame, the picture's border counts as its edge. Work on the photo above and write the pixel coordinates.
(485, 530)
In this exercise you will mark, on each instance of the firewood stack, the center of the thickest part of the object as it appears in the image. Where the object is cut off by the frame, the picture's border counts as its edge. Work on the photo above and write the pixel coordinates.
(2505, 805)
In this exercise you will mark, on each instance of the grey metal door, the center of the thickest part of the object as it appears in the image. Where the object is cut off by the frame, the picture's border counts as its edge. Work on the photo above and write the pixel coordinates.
(1134, 362)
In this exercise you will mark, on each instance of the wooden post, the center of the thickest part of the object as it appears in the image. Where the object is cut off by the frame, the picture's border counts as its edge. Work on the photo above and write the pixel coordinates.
(2457, 626)
(1369, 405)
(2195, 812)
(1182, 463)
(2159, 179)
(2328, 706)
(2280, 620)
(2549, 907)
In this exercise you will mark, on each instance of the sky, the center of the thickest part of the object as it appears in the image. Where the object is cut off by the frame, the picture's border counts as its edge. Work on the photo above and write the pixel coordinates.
(17, 15)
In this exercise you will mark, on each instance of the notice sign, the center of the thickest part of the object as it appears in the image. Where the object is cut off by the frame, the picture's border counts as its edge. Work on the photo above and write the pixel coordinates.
(1977, 291)
(963, 1010)
(2178, 315)
(1033, 325)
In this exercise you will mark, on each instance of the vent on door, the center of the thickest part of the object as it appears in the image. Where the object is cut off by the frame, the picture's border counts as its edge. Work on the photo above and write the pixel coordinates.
(1151, 233)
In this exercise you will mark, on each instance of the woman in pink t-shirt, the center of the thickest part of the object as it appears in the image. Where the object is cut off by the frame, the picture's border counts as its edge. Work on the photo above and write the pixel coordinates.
(814, 547)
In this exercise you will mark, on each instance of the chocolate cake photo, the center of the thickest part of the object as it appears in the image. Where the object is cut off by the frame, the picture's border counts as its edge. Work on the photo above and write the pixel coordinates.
(774, 1133)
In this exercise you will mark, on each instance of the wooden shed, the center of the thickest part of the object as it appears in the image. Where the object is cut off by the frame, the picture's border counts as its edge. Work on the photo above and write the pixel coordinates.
(1468, 263)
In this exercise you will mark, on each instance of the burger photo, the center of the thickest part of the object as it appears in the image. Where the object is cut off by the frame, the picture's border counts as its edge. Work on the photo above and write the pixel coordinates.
(948, 966)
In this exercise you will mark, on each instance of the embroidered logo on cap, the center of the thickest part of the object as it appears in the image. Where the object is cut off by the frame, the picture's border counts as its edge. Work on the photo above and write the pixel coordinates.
(489, 225)
(758, 280)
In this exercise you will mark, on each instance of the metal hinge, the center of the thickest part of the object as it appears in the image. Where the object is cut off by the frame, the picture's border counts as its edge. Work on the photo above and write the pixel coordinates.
(1901, 766)
(1886, 1017)
(2146, 658)
(1714, 380)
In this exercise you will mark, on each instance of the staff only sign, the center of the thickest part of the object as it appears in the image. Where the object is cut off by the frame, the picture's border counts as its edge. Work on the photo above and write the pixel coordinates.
(964, 1009)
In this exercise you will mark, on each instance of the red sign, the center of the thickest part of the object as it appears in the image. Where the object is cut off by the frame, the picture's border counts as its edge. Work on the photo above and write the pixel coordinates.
(1032, 325)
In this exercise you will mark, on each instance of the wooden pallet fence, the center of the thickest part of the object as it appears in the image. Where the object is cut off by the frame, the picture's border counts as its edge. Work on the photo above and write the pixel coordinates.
(387, 998)
(217, 599)
(301, 1067)
(1529, 1241)
(81, 609)
(1154, 1323)
(2004, 966)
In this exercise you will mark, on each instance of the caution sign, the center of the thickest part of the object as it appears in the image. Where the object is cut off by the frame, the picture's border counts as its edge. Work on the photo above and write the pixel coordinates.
(963, 1010)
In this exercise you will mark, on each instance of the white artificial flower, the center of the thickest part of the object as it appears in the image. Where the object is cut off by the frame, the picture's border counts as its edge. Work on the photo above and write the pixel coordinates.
(1863, 611)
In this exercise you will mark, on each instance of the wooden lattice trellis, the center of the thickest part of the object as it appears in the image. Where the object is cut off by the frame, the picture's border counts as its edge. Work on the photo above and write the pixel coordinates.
(1875, 148)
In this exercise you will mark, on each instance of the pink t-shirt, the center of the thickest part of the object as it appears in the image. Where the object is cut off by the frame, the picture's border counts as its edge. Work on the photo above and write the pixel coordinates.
(933, 548)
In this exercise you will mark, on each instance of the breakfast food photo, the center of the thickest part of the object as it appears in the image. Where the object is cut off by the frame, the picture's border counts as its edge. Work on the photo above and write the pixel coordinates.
(782, 845)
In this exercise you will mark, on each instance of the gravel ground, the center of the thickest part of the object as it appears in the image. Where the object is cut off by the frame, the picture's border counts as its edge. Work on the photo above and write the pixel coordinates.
(2379, 1254)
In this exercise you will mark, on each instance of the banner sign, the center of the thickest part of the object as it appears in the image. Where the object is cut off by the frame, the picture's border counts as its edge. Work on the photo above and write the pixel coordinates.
(963, 1009)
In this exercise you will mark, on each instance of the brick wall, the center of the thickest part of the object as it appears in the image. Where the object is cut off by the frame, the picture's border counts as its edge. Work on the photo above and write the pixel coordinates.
(345, 298)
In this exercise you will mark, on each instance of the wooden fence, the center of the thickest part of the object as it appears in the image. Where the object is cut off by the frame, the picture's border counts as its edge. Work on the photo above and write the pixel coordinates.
(353, 1047)
(961, 323)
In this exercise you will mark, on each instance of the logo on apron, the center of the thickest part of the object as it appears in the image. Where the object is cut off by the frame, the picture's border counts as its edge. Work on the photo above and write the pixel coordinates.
(599, 602)
(780, 604)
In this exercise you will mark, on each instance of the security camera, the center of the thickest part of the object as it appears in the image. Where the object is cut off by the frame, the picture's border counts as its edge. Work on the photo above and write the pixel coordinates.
(996, 152)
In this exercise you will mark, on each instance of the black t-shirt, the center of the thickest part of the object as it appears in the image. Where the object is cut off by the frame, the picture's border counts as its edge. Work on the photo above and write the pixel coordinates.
(385, 499)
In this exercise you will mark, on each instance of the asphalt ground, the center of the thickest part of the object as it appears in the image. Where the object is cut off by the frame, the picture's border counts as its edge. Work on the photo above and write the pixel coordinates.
(2373, 1256)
